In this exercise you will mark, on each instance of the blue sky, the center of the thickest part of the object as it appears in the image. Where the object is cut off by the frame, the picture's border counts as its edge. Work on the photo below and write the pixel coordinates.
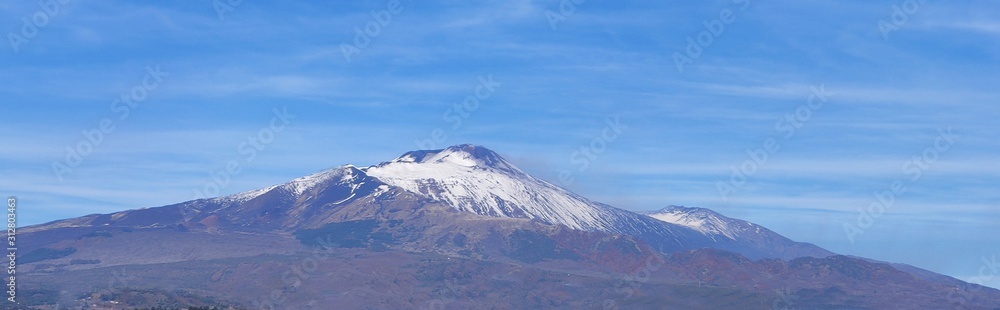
(193, 85)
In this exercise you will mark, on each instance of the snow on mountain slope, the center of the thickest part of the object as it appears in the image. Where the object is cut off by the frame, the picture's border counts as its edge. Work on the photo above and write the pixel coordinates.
(471, 179)
(477, 180)
(741, 233)
(348, 174)
(703, 220)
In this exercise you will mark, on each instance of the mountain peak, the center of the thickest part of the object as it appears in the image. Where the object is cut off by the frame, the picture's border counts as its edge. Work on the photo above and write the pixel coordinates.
(704, 220)
(465, 155)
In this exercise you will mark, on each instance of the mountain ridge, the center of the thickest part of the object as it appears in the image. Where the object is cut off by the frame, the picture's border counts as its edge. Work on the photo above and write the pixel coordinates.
(462, 207)
(466, 177)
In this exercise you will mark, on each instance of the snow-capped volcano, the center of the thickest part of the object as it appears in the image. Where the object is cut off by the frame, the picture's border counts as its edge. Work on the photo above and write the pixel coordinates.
(462, 211)
(468, 178)
(477, 180)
